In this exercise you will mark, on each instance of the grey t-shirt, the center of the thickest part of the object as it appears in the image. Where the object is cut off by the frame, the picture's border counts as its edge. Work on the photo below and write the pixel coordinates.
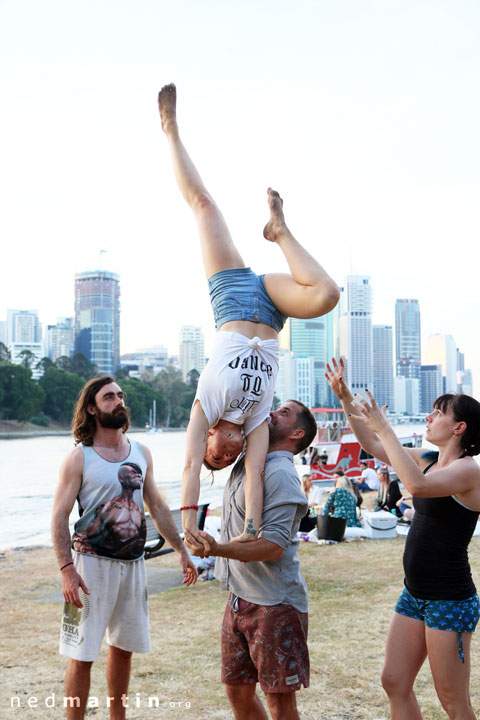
(276, 581)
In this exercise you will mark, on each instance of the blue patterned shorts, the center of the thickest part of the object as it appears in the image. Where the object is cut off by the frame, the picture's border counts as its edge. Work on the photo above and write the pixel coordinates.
(456, 615)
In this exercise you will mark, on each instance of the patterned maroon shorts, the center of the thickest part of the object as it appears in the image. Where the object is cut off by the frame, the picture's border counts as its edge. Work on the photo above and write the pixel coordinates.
(265, 644)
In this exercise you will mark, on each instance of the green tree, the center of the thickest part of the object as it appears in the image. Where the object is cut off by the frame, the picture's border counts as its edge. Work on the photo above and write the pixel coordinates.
(4, 353)
(139, 399)
(27, 358)
(63, 363)
(61, 389)
(44, 364)
(172, 388)
(83, 367)
(193, 377)
(22, 397)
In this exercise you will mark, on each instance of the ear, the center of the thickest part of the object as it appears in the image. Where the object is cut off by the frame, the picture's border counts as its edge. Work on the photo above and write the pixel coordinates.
(460, 429)
(91, 409)
(297, 434)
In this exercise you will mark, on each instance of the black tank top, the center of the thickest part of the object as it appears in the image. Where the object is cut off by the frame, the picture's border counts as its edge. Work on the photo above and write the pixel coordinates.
(435, 560)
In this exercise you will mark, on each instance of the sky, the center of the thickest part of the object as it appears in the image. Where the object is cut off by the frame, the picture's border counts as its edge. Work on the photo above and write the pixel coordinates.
(363, 114)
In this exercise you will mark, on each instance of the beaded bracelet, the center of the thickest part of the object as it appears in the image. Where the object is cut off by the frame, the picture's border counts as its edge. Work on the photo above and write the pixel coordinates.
(189, 507)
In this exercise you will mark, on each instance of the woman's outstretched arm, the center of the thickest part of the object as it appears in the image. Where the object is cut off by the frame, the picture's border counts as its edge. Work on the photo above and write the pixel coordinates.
(460, 476)
(366, 437)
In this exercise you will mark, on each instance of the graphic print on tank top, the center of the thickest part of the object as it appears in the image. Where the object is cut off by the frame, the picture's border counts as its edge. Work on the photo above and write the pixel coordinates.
(112, 522)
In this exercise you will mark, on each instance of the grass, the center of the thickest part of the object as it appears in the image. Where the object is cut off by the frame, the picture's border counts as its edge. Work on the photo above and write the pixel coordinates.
(352, 587)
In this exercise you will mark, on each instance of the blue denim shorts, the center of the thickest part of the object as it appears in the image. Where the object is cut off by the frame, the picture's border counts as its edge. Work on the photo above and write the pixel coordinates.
(456, 615)
(240, 294)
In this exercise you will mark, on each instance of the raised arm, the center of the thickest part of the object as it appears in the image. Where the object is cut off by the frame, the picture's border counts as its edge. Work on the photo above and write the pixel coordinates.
(366, 437)
(164, 522)
(65, 494)
(461, 477)
(196, 443)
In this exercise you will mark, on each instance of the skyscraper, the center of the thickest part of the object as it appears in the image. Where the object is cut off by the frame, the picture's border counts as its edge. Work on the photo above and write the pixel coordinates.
(97, 318)
(356, 333)
(431, 386)
(332, 320)
(59, 339)
(407, 338)
(441, 350)
(24, 338)
(309, 339)
(23, 326)
(192, 353)
(383, 365)
(295, 378)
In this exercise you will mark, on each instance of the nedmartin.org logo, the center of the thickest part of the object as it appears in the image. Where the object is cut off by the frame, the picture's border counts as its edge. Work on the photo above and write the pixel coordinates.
(128, 701)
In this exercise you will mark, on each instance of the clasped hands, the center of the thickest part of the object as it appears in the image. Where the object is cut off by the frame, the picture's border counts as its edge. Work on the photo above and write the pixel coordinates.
(199, 542)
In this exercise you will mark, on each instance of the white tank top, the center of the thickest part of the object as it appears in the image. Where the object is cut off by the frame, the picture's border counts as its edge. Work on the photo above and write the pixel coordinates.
(110, 503)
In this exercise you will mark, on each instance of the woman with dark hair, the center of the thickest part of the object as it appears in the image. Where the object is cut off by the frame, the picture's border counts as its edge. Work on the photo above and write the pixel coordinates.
(235, 390)
(388, 493)
(438, 610)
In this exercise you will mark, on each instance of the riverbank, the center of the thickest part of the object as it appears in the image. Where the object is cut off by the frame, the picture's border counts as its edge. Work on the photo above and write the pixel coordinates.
(15, 430)
(352, 595)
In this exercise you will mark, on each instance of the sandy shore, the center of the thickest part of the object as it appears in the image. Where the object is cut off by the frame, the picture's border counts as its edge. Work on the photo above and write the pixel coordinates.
(353, 588)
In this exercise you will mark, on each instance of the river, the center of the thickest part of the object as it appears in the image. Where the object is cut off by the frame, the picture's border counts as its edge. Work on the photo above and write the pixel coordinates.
(29, 470)
(29, 473)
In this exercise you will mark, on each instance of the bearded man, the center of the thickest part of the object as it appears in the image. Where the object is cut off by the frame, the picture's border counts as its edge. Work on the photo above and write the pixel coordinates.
(104, 580)
(264, 630)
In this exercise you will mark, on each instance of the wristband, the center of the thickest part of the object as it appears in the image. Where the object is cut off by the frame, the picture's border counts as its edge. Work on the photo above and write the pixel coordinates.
(66, 565)
(189, 507)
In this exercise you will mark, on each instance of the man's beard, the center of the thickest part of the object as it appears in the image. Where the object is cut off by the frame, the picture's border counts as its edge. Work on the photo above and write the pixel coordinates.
(113, 420)
(277, 433)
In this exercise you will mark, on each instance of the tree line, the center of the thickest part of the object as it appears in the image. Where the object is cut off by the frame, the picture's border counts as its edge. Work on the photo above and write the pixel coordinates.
(52, 397)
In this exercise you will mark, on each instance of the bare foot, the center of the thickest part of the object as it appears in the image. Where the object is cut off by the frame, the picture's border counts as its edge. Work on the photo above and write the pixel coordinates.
(167, 105)
(276, 226)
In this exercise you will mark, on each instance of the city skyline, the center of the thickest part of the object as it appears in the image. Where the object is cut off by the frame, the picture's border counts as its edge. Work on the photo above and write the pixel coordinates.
(348, 325)
(376, 153)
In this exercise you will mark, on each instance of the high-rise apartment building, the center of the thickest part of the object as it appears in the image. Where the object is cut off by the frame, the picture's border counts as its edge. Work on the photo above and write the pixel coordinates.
(431, 386)
(59, 339)
(308, 338)
(356, 333)
(406, 395)
(23, 326)
(332, 320)
(296, 378)
(441, 350)
(192, 353)
(383, 365)
(97, 318)
(407, 338)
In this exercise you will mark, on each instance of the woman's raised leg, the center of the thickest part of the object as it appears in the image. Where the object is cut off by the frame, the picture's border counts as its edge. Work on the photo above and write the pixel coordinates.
(218, 249)
(309, 291)
(404, 656)
(450, 675)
